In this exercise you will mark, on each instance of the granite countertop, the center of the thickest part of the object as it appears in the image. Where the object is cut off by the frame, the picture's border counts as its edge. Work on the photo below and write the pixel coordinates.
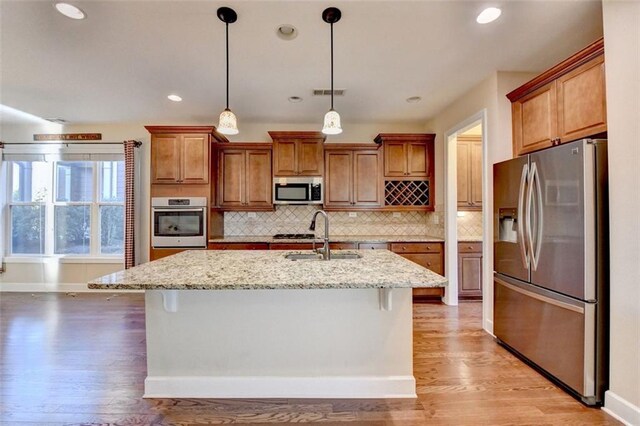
(269, 270)
(332, 238)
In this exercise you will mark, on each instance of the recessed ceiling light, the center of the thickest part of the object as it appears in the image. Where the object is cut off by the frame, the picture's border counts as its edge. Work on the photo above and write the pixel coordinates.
(175, 98)
(490, 14)
(414, 99)
(70, 11)
(287, 32)
(295, 99)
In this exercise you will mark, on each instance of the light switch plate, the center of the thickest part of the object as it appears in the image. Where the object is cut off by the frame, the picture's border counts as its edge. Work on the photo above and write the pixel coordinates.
(353, 214)
(251, 214)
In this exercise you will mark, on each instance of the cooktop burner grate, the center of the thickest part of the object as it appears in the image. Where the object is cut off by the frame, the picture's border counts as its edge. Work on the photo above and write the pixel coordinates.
(294, 236)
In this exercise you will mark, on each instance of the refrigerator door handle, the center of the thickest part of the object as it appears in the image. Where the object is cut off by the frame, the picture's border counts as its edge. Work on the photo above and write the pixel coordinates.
(522, 216)
(534, 181)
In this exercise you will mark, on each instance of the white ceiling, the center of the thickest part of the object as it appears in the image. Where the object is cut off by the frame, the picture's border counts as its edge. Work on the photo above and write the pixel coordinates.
(120, 63)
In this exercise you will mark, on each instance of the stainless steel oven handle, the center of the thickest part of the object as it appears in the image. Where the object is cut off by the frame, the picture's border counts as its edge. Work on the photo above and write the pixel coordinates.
(522, 217)
(174, 209)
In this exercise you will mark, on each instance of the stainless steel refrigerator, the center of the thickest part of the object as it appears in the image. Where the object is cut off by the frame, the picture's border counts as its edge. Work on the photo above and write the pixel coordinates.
(551, 263)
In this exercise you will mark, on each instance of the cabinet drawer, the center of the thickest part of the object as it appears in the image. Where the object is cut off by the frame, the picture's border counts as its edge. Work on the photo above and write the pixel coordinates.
(238, 246)
(469, 247)
(431, 261)
(373, 246)
(416, 247)
(293, 246)
(341, 246)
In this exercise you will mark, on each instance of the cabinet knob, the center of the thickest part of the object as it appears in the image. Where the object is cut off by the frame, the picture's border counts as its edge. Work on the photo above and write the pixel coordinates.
(428, 247)
(469, 247)
(428, 263)
(404, 248)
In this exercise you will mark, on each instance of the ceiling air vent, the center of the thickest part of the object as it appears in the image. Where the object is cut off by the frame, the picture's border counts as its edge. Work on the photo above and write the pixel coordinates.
(327, 92)
(57, 120)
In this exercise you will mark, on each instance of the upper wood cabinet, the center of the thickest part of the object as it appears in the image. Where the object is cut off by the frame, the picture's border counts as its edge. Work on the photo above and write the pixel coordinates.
(353, 177)
(407, 154)
(563, 104)
(469, 179)
(180, 154)
(297, 153)
(244, 177)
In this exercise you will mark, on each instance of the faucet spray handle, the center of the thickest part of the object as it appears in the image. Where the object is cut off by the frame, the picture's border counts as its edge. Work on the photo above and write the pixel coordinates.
(312, 227)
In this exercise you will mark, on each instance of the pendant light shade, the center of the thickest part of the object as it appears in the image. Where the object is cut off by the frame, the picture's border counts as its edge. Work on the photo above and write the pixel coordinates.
(228, 123)
(332, 124)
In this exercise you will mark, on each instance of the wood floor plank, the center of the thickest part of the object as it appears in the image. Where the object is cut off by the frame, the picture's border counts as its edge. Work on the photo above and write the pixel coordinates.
(81, 360)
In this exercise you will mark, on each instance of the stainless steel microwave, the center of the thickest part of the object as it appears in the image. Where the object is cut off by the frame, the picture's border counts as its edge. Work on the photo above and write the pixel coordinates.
(297, 190)
(179, 222)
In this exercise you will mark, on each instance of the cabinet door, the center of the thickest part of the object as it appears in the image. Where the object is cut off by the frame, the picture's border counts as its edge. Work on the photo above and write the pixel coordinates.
(367, 179)
(395, 159)
(535, 120)
(285, 158)
(165, 158)
(310, 158)
(195, 159)
(231, 178)
(338, 178)
(475, 177)
(463, 174)
(258, 178)
(470, 275)
(417, 164)
(582, 107)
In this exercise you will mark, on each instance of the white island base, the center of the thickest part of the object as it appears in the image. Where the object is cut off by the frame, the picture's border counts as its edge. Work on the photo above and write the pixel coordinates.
(325, 343)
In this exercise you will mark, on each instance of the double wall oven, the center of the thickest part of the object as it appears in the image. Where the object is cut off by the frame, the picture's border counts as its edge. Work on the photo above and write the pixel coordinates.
(179, 222)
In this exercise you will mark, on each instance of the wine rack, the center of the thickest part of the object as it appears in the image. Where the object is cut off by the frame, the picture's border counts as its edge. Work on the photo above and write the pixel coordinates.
(406, 193)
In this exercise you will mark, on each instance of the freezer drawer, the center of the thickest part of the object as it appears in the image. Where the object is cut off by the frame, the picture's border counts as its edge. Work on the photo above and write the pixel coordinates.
(556, 333)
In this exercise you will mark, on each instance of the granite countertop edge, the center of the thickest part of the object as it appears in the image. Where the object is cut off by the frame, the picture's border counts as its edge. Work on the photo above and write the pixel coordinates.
(332, 238)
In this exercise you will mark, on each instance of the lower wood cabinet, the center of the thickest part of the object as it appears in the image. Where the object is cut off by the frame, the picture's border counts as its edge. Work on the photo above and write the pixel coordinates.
(469, 270)
(159, 253)
(373, 246)
(428, 255)
(293, 246)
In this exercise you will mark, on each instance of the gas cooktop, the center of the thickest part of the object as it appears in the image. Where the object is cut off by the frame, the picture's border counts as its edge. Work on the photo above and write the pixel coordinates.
(293, 236)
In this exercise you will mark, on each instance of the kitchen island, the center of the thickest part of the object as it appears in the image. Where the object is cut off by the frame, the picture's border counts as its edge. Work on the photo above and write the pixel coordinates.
(252, 324)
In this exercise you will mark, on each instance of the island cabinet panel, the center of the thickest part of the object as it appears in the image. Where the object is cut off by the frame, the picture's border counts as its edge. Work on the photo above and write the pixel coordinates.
(244, 178)
(563, 104)
(469, 270)
(469, 173)
(353, 178)
(297, 153)
(179, 157)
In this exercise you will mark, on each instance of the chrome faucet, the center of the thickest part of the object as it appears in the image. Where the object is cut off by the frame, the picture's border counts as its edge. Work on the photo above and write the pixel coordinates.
(325, 251)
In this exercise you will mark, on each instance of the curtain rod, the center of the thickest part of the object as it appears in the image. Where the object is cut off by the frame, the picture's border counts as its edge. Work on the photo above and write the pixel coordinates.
(137, 143)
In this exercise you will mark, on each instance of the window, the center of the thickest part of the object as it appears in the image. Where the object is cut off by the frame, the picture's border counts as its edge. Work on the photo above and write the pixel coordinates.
(69, 208)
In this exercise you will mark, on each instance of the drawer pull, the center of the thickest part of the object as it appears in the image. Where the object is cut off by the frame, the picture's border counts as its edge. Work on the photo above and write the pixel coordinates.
(469, 247)
(404, 248)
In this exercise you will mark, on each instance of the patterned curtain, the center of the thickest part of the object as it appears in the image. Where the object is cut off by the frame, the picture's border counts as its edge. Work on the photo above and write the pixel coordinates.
(129, 203)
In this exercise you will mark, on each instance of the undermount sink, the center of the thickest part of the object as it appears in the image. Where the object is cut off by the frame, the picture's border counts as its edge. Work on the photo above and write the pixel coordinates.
(318, 256)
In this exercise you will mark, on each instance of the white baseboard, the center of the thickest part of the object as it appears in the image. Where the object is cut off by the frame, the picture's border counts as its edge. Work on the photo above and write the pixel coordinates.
(621, 409)
(56, 287)
(279, 387)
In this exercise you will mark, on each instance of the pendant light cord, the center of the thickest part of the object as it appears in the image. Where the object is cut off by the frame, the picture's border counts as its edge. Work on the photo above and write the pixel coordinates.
(332, 66)
(227, 36)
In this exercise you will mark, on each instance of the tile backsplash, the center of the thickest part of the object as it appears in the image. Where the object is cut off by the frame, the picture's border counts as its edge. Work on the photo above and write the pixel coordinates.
(470, 224)
(296, 219)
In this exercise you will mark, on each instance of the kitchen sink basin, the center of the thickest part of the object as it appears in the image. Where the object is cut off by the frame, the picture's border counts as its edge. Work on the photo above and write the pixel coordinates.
(318, 256)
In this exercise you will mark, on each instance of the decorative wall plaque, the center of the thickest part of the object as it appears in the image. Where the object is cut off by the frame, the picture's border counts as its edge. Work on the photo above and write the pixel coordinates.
(68, 137)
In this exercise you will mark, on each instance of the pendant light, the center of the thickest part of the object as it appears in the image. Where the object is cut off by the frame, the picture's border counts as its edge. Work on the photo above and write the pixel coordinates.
(332, 125)
(228, 123)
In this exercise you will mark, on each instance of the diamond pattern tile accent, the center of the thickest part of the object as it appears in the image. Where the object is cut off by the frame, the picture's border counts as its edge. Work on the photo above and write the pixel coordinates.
(296, 219)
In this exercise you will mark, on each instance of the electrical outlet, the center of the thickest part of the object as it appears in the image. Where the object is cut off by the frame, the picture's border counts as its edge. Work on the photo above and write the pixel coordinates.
(353, 214)
(251, 215)
(396, 214)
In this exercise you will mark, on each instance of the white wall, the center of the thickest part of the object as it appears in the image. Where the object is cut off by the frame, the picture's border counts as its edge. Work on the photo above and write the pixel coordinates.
(490, 96)
(622, 61)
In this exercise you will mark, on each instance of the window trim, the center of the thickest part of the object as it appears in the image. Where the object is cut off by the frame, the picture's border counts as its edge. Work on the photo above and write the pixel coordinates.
(95, 251)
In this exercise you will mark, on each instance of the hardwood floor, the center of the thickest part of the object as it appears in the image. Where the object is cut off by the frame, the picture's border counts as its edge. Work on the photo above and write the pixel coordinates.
(81, 360)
